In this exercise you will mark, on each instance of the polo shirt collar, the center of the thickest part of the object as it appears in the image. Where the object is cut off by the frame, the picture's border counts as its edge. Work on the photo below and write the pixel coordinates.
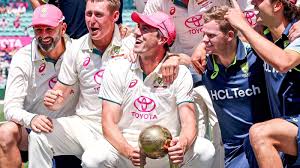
(116, 41)
(285, 33)
(137, 66)
(241, 54)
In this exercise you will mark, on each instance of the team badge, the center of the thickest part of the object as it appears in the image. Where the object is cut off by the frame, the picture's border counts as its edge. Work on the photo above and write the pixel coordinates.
(159, 83)
(116, 52)
(245, 69)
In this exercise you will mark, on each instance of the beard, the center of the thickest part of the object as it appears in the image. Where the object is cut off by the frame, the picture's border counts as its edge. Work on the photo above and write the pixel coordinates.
(47, 47)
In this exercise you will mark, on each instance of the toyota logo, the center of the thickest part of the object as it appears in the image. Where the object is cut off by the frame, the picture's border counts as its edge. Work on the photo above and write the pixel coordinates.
(194, 21)
(98, 76)
(144, 104)
(251, 17)
(52, 82)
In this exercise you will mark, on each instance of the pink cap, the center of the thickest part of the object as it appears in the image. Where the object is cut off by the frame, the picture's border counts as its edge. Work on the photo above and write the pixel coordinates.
(293, 1)
(48, 15)
(159, 20)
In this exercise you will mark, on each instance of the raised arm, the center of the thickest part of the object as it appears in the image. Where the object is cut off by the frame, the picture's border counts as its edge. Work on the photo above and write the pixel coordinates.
(280, 59)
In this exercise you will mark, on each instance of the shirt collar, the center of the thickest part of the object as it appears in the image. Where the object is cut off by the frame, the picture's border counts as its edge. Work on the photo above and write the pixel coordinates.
(36, 54)
(241, 54)
(137, 66)
(285, 33)
(116, 41)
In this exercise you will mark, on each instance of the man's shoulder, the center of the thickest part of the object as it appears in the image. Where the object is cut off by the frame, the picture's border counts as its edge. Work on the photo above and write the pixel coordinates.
(24, 53)
(128, 43)
(183, 71)
(80, 41)
(75, 45)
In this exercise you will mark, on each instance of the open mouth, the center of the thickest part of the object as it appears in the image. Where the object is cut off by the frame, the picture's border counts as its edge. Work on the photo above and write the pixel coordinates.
(46, 41)
(138, 41)
(94, 29)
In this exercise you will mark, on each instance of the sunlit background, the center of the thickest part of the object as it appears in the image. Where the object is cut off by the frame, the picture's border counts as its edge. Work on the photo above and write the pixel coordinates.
(14, 33)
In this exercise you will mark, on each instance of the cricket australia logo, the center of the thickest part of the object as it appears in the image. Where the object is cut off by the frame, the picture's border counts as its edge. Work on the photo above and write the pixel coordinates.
(145, 107)
(245, 69)
(116, 52)
(159, 83)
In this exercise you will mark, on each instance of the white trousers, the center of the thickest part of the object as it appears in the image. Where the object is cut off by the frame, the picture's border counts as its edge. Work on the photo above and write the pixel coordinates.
(71, 136)
(208, 125)
(103, 155)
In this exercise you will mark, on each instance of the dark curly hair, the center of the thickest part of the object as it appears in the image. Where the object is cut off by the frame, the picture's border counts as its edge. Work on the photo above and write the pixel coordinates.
(291, 11)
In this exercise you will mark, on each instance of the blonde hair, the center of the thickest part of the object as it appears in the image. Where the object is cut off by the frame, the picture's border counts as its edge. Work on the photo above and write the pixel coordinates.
(114, 5)
(217, 14)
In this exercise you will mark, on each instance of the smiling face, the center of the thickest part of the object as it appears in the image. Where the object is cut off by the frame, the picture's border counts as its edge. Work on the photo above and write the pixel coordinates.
(48, 37)
(147, 39)
(265, 10)
(99, 19)
(214, 38)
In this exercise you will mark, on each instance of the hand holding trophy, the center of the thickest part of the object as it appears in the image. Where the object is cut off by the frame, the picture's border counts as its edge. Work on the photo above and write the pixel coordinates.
(154, 142)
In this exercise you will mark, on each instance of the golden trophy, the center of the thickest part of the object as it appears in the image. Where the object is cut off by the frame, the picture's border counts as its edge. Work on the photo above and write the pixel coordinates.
(154, 142)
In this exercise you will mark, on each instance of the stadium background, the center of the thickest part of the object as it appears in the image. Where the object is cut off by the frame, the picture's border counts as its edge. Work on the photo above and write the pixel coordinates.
(15, 33)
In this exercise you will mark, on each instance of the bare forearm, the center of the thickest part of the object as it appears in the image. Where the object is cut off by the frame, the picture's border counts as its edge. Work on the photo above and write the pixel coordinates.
(188, 126)
(113, 134)
(188, 136)
(268, 51)
(54, 99)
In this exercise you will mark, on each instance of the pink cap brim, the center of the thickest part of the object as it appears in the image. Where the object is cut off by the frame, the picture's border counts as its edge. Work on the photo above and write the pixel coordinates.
(139, 18)
(45, 22)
